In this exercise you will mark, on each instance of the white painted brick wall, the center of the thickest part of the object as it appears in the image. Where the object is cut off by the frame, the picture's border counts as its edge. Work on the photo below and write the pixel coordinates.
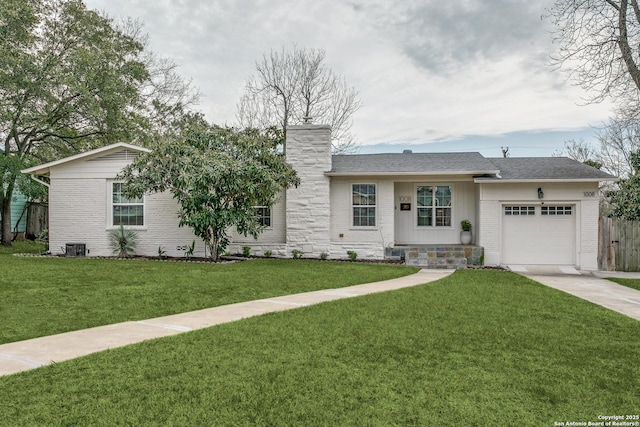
(490, 231)
(162, 230)
(79, 212)
(368, 242)
(276, 234)
(588, 229)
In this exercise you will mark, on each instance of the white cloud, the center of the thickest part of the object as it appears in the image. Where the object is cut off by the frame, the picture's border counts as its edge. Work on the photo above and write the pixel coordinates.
(425, 70)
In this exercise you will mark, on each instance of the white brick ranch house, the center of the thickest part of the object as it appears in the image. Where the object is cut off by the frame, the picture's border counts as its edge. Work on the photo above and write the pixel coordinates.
(523, 210)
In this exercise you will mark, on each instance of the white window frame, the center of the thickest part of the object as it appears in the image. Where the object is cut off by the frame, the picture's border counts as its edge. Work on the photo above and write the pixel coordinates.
(111, 204)
(433, 207)
(353, 206)
(270, 216)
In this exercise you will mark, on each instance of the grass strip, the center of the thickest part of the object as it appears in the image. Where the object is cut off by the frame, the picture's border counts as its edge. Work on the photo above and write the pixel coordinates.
(43, 296)
(23, 247)
(476, 348)
(629, 283)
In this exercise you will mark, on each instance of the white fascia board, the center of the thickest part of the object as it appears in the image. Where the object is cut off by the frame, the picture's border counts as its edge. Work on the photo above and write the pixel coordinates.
(44, 168)
(520, 181)
(374, 173)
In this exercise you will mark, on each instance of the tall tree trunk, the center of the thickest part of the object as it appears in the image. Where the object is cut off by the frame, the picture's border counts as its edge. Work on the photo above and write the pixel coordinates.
(6, 216)
(214, 246)
(212, 241)
(623, 43)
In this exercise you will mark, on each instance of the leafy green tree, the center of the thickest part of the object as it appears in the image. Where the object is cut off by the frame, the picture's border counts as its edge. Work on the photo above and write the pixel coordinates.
(72, 80)
(625, 200)
(217, 175)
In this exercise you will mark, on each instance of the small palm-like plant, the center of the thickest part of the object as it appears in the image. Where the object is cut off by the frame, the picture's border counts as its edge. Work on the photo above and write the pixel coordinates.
(123, 242)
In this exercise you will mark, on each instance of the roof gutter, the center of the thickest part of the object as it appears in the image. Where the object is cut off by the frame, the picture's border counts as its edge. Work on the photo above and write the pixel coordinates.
(408, 173)
(517, 181)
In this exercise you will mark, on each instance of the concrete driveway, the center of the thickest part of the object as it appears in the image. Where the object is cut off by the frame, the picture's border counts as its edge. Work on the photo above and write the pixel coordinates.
(588, 285)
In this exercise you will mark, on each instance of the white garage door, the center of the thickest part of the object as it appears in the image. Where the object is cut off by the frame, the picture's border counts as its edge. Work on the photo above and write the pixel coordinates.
(538, 234)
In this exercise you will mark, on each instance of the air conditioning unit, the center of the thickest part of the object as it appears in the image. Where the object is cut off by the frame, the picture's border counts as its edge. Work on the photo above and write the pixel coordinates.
(75, 250)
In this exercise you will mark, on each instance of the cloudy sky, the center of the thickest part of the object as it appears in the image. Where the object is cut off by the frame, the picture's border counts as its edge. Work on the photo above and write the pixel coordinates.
(432, 75)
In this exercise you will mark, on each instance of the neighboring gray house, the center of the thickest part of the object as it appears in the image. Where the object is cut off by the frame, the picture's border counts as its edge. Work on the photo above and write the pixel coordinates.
(523, 210)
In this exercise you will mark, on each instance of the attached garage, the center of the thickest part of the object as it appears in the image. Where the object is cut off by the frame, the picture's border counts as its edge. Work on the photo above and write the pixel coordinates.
(540, 211)
(539, 234)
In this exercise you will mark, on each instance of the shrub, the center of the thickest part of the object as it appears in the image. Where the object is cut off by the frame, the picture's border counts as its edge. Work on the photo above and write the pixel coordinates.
(297, 253)
(246, 251)
(353, 255)
(324, 256)
(465, 224)
(123, 242)
(161, 252)
(268, 254)
(190, 250)
(43, 236)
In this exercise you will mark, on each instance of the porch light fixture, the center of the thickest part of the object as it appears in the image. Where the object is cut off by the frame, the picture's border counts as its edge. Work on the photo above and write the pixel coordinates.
(540, 193)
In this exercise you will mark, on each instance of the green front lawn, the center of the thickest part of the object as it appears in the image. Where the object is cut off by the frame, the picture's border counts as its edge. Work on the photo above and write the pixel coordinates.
(478, 348)
(44, 296)
(630, 283)
(23, 247)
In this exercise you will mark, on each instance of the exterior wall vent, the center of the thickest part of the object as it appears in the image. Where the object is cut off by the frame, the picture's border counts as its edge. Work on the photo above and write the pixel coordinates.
(75, 250)
(121, 155)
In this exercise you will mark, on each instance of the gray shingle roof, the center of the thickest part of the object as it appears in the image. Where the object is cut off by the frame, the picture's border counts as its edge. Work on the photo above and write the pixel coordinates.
(419, 163)
(554, 168)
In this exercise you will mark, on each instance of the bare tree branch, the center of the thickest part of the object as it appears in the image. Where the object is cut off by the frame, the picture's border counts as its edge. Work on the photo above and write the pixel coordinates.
(294, 87)
(599, 46)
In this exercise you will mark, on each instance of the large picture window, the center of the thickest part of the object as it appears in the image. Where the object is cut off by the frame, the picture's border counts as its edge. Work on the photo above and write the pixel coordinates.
(433, 205)
(363, 199)
(126, 211)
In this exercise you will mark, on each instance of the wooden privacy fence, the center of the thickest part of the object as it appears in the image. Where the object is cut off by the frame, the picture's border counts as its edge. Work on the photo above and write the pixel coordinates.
(619, 246)
(37, 219)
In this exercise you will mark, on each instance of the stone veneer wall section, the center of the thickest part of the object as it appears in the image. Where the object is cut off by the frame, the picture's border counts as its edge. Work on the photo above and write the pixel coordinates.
(438, 256)
(308, 207)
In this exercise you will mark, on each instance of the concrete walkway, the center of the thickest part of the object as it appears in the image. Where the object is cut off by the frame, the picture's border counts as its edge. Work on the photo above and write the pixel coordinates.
(590, 286)
(33, 353)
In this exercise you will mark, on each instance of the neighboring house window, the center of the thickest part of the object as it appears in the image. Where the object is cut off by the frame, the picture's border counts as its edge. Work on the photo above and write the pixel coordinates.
(363, 199)
(126, 211)
(434, 205)
(264, 215)
(519, 210)
(556, 210)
